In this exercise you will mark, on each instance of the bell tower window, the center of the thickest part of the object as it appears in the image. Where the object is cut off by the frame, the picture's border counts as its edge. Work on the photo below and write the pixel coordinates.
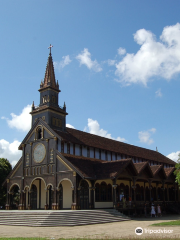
(44, 99)
(53, 99)
(39, 133)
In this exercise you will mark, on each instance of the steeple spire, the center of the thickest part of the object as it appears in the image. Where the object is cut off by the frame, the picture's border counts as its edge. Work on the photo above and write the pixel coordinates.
(49, 109)
(49, 78)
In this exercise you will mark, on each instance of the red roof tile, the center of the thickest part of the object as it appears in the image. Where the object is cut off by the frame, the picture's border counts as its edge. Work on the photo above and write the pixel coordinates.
(91, 140)
(169, 171)
(95, 168)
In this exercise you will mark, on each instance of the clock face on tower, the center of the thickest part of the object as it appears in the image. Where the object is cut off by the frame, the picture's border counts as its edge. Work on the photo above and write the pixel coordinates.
(39, 153)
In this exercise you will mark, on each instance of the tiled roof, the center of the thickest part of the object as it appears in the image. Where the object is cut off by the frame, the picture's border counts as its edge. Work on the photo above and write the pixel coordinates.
(156, 168)
(139, 166)
(168, 171)
(91, 140)
(95, 168)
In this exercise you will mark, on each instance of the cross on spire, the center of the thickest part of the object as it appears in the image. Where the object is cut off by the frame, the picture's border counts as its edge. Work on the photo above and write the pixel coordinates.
(50, 48)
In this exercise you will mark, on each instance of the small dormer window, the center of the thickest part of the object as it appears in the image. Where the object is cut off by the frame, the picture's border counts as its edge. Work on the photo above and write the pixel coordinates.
(106, 156)
(44, 99)
(88, 152)
(62, 147)
(80, 150)
(99, 153)
(68, 148)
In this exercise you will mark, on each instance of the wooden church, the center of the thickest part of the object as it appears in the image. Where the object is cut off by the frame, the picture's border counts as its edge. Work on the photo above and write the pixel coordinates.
(64, 168)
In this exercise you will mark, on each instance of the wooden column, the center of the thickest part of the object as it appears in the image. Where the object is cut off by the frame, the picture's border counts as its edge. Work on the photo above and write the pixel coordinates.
(163, 191)
(168, 192)
(91, 203)
(156, 192)
(130, 189)
(150, 190)
(178, 193)
(175, 192)
(134, 189)
(114, 193)
(144, 191)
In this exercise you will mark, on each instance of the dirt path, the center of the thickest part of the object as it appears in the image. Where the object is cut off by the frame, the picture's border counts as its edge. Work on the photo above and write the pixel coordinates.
(107, 230)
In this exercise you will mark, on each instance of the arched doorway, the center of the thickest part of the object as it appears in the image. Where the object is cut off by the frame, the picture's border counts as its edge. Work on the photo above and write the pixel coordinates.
(65, 194)
(84, 195)
(37, 194)
(14, 197)
(34, 197)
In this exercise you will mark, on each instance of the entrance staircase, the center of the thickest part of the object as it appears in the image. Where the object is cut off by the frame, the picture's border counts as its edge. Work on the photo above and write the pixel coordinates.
(50, 218)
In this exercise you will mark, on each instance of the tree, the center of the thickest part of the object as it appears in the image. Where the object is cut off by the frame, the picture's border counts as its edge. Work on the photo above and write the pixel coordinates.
(177, 171)
(5, 169)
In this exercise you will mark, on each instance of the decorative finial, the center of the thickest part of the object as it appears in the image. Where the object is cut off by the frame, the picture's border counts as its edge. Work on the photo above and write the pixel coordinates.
(50, 49)
(33, 104)
(64, 105)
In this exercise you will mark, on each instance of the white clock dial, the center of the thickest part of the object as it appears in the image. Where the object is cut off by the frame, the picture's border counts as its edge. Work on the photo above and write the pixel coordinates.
(39, 153)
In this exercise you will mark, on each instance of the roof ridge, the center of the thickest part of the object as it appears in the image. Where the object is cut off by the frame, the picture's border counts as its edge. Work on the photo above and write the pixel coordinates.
(70, 130)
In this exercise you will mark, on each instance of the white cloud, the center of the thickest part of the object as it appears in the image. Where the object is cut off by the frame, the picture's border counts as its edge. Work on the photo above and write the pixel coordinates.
(158, 93)
(153, 59)
(121, 51)
(94, 128)
(85, 58)
(22, 121)
(111, 62)
(145, 137)
(10, 151)
(174, 156)
(69, 125)
(59, 65)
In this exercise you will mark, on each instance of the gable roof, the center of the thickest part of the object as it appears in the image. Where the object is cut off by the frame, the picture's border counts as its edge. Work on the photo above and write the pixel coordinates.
(97, 169)
(91, 140)
(169, 171)
(39, 121)
(141, 166)
(156, 168)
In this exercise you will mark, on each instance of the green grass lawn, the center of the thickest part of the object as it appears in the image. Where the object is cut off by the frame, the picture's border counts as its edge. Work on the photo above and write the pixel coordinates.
(171, 223)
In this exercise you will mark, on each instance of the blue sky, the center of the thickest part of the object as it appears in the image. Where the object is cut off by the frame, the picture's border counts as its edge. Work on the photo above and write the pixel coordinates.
(117, 63)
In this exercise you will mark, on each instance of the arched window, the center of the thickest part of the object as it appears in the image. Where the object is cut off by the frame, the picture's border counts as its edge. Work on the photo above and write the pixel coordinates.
(39, 133)
(109, 188)
(97, 192)
(138, 193)
(103, 192)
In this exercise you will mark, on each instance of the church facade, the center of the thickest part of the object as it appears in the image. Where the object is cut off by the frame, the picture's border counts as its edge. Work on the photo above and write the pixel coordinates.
(64, 168)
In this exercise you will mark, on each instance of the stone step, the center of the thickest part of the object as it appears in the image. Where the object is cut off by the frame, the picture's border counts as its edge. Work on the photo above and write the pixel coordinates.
(60, 218)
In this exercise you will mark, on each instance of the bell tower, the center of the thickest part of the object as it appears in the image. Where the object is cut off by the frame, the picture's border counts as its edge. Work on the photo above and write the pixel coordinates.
(48, 109)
